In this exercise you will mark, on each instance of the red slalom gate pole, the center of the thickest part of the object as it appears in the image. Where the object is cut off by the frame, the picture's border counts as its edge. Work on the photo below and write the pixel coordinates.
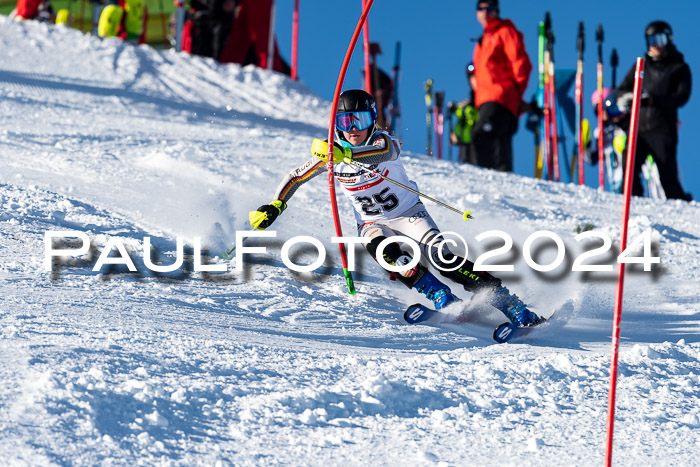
(629, 177)
(295, 39)
(368, 78)
(331, 138)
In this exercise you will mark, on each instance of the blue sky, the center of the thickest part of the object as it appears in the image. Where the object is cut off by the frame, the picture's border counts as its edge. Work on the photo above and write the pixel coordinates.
(438, 39)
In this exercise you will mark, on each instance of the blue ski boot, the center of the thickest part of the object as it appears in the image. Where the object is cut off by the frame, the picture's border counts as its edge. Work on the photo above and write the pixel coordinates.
(435, 290)
(514, 308)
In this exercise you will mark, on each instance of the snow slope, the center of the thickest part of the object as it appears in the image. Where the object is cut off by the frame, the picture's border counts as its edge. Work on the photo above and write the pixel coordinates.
(268, 366)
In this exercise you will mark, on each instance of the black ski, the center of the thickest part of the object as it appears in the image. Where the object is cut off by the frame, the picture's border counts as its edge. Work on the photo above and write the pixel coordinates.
(421, 314)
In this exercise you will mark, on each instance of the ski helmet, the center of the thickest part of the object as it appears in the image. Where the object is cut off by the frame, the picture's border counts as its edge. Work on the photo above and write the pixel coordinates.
(357, 100)
(492, 3)
(595, 97)
(658, 27)
(609, 102)
(610, 105)
(658, 33)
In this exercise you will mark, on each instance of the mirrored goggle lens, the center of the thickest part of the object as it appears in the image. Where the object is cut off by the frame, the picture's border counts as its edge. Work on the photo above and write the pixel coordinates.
(657, 40)
(360, 120)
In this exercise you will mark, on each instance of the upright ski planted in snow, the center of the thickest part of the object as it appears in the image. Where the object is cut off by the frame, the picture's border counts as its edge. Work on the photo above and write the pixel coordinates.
(395, 109)
(439, 120)
(601, 141)
(428, 114)
(580, 45)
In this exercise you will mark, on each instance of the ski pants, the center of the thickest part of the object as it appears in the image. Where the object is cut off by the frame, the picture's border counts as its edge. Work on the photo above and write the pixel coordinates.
(467, 154)
(492, 137)
(417, 225)
(662, 146)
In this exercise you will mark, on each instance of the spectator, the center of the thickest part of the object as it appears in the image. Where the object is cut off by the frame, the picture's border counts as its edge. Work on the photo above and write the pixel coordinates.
(501, 72)
(208, 26)
(39, 10)
(383, 93)
(124, 19)
(467, 116)
(382, 87)
(248, 41)
(667, 83)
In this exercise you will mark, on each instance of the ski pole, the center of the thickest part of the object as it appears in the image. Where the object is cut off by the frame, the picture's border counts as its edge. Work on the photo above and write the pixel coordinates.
(466, 215)
(614, 61)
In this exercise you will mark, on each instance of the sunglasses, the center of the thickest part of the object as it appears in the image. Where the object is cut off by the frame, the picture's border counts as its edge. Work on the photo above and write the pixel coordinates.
(485, 8)
(360, 120)
(657, 40)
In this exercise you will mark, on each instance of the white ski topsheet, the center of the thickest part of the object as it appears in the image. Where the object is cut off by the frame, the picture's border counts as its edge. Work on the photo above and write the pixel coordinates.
(269, 366)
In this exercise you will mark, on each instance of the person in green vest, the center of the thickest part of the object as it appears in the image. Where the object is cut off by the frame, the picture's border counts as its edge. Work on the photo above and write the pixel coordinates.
(467, 115)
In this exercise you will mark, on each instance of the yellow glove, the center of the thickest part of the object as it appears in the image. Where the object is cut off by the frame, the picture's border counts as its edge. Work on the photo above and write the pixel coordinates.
(319, 148)
(586, 132)
(266, 214)
(620, 143)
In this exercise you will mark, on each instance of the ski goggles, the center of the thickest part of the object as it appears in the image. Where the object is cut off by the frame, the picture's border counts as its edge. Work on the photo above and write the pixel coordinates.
(657, 40)
(489, 7)
(360, 120)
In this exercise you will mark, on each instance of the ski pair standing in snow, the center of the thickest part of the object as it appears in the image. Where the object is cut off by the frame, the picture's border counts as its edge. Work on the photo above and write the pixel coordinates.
(383, 209)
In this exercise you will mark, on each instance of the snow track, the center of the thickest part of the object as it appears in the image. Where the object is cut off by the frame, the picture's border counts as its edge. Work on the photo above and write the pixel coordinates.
(267, 366)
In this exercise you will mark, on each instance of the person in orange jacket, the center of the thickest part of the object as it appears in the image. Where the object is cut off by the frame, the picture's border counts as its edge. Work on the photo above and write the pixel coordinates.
(501, 71)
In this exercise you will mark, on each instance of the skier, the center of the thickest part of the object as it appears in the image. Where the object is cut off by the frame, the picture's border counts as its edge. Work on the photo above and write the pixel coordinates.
(501, 71)
(667, 83)
(614, 139)
(382, 209)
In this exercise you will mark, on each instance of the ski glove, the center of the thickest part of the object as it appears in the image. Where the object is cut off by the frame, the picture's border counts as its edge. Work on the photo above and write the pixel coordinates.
(319, 148)
(266, 214)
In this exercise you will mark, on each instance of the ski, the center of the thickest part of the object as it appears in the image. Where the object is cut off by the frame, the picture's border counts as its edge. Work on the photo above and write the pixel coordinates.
(418, 313)
(395, 112)
(547, 105)
(554, 132)
(539, 133)
(580, 44)
(429, 114)
(438, 120)
(508, 331)
(601, 149)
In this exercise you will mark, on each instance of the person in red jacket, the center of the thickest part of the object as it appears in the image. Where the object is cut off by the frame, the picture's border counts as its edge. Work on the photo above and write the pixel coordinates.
(501, 71)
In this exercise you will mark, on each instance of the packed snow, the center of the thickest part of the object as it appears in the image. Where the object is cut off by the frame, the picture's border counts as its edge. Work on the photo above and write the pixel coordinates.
(271, 366)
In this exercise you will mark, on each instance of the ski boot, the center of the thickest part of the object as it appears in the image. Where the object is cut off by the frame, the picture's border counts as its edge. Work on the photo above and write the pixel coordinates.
(435, 290)
(514, 308)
